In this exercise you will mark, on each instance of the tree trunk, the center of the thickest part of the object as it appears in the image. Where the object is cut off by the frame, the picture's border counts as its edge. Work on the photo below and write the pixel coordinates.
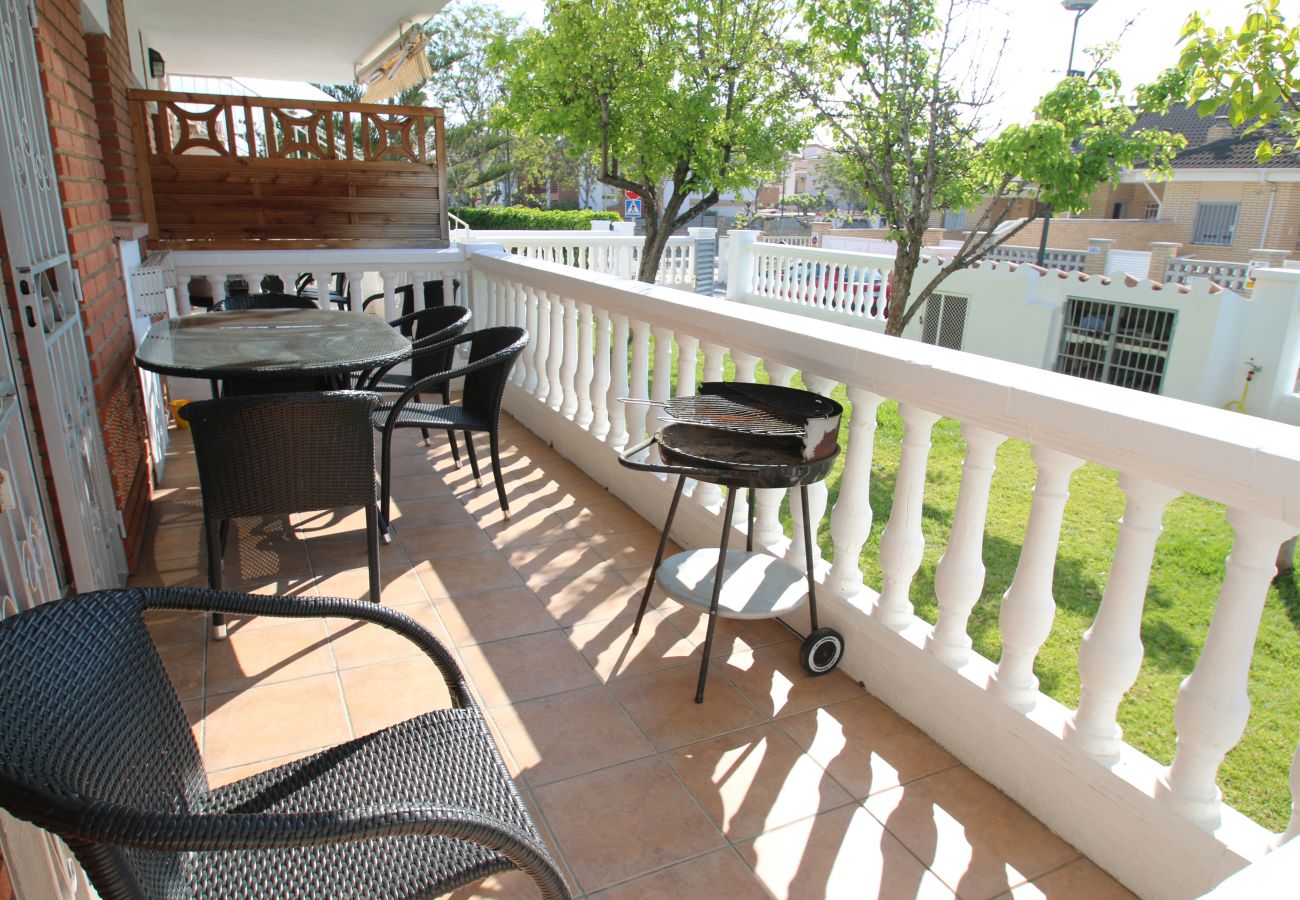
(656, 239)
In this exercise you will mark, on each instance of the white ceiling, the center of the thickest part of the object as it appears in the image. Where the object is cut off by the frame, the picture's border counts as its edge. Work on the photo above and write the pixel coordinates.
(316, 40)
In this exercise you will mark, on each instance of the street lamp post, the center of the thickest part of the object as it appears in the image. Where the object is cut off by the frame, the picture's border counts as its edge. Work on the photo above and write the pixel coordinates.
(1078, 7)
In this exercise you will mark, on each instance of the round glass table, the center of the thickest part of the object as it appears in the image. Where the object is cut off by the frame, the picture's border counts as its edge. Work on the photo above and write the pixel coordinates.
(273, 343)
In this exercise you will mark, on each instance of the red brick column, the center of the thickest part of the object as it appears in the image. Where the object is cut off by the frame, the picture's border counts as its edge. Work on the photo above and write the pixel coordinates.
(110, 76)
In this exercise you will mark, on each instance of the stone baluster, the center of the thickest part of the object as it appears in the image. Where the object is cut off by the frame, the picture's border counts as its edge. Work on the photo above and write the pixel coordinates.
(902, 544)
(817, 494)
(959, 577)
(390, 297)
(618, 435)
(1213, 705)
(851, 517)
(586, 369)
(767, 501)
(569, 369)
(555, 359)
(218, 282)
(638, 387)
(1111, 654)
(746, 370)
(536, 320)
(355, 291)
(419, 278)
(1028, 606)
(543, 355)
(600, 381)
(661, 384)
(687, 347)
(1293, 826)
(706, 494)
(183, 306)
(515, 298)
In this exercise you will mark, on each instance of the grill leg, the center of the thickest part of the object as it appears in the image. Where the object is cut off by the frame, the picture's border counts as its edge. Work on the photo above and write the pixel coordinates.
(659, 554)
(808, 557)
(717, 592)
(749, 530)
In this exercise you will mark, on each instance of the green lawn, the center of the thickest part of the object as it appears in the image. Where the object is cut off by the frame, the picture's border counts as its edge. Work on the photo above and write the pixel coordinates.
(1184, 587)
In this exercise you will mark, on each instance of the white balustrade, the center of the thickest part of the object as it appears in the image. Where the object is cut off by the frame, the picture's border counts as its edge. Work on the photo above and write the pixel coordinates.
(851, 517)
(902, 544)
(600, 380)
(706, 493)
(1213, 704)
(538, 345)
(1111, 654)
(661, 386)
(586, 369)
(746, 366)
(638, 381)
(1293, 826)
(518, 297)
(569, 365)
(817, 493)
(618, 387)
(767, 501)
(554, 397)
(1028, 606)
(959, 576)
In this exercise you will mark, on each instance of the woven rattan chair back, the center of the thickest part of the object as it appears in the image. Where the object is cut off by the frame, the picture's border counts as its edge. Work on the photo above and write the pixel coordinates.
(484, 389)
(434, 326)
(274, 454)
(88, 715)
(239, 302)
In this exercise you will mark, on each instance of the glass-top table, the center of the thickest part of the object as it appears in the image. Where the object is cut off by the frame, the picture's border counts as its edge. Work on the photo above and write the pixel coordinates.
(271, 343)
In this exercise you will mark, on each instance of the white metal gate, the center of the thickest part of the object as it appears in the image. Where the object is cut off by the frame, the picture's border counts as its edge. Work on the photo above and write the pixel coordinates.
(49, 298)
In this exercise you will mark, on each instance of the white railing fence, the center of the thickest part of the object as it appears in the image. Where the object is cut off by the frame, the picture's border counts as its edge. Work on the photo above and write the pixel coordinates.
(1017, 314)
(1162, 830)
(1054, 258)
(1231, 275)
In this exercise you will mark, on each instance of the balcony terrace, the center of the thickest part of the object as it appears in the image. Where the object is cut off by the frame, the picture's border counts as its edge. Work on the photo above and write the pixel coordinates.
(778, 785)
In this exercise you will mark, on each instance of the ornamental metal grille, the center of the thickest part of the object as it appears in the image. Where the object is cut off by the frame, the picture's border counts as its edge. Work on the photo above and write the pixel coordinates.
(1216, 223)
(1115, 343)
(945, 320)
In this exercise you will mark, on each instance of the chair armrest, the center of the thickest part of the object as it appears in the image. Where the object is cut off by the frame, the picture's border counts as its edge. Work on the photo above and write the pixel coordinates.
(201, 600)
(125, 826)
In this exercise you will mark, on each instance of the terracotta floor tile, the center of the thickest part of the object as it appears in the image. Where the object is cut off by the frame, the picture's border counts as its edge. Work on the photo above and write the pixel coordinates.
(492, 616)
(194, 715)
(843, 853)
(718, 874)
(358, 643)
(182, 506)
(569, 734)
(441, 541)
(273, 720)
(398, 585)
(969, 833)
(614, 652)
(254, 656)
(866, 746)
(754, 780)
(412, 487)
(184, 664)
(595, 596)
(326, 522)
(524, 668)
(387, 693)
(335, 553)
(167, 626)
(425, 511)
(625, 549)
(625, 821)
(182, 541)
(559, 560)
(605, 518)
(663, 706)
(460, 576)
(774, 681)
(1079, 880)
(170, 573)
(523, 528)
(730, 636)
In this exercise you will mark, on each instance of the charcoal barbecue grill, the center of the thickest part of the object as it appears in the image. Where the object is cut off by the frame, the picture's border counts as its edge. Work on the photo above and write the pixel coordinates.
(743, 436)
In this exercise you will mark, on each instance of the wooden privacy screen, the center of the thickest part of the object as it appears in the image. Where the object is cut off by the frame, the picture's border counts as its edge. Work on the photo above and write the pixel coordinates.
(254, 172)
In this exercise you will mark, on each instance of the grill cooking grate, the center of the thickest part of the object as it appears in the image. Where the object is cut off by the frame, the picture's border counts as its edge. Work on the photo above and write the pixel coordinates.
(723, 413)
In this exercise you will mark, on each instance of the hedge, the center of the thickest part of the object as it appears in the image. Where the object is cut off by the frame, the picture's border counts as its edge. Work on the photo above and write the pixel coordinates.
(523, 218)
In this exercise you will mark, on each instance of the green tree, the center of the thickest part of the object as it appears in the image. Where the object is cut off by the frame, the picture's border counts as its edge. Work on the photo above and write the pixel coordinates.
(1253, 71)
(886, 78)
(677, 99)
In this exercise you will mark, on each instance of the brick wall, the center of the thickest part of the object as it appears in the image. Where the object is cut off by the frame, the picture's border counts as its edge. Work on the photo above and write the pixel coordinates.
(79, 163)
(110, 77)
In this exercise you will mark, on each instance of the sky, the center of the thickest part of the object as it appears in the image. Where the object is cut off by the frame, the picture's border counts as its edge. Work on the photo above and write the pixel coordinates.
(1039, 47)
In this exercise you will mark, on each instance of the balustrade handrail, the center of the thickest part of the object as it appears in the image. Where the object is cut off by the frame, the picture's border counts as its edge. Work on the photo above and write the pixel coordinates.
(1239, 461)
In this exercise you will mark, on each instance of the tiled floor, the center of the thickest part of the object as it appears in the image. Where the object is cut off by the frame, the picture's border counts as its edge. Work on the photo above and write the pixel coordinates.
(779, 785)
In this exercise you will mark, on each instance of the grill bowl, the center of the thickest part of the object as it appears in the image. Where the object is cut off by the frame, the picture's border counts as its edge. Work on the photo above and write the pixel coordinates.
(742, 460)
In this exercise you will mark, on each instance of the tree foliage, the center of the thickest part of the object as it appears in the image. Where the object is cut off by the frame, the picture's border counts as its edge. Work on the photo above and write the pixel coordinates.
(1252, 71)
(886, 77)
(677, 99)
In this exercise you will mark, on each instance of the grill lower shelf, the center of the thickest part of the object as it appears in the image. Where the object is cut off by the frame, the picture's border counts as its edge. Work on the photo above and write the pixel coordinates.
(755, 585)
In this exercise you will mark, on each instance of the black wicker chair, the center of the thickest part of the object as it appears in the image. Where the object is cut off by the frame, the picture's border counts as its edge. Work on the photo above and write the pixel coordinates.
(239, 302)
(283, 453)
(405, 293)
(492, 352)
(95, 747)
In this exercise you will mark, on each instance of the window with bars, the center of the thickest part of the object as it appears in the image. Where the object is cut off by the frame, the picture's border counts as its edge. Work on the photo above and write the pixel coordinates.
(1216, 223)
(945, 320)
(1116, 343)
(1151, 211)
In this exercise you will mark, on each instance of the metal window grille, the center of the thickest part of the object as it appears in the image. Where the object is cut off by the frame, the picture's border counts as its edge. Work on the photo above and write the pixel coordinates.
(945, 320)
(1151, 211)
(150, 281)
(1115, 343)
(1216, 223)
(954, 219)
